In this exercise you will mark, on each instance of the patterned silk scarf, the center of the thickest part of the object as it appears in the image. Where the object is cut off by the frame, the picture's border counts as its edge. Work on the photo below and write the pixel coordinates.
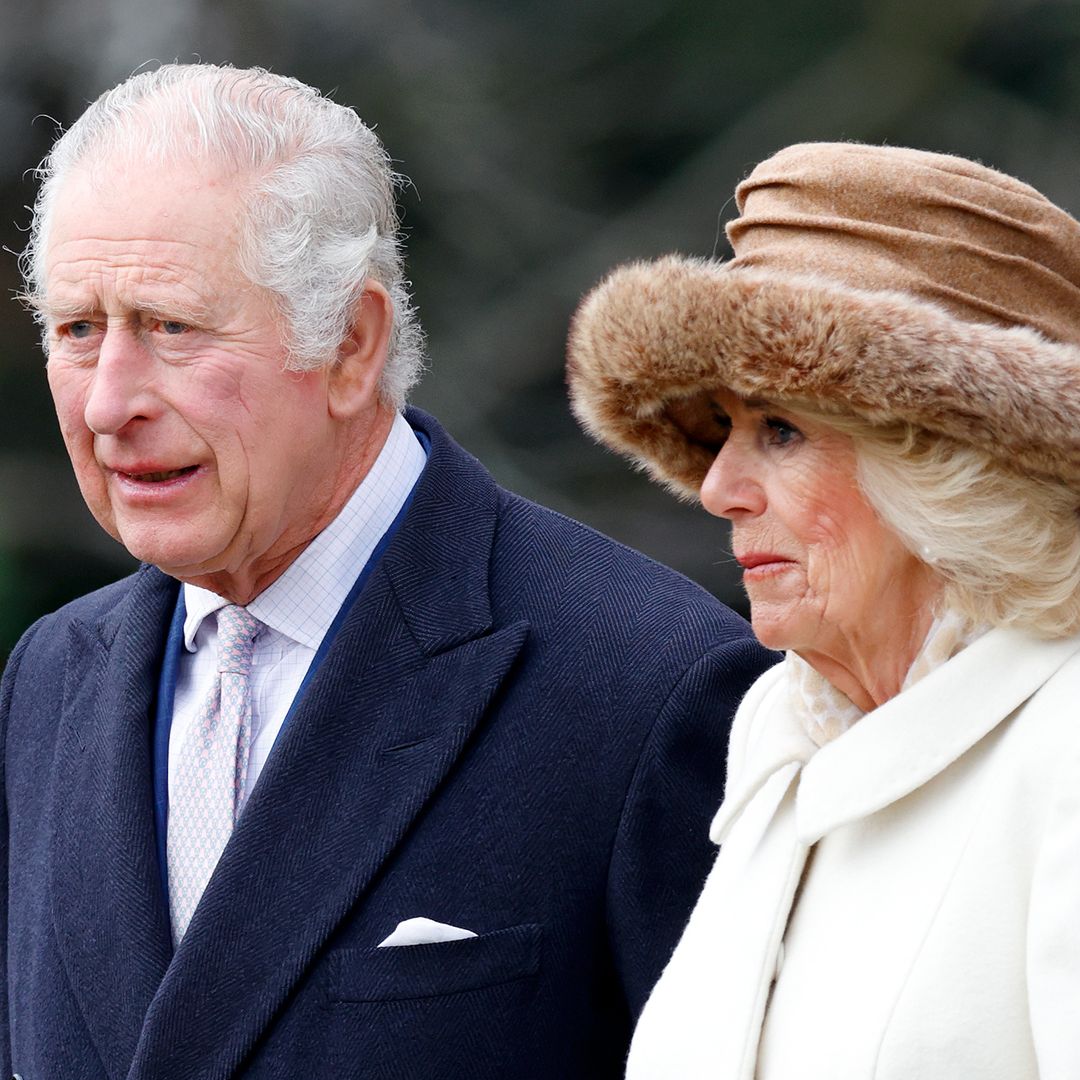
(826, 712)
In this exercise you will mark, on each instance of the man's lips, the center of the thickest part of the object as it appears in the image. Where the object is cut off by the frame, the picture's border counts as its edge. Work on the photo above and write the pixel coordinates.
(150, 475)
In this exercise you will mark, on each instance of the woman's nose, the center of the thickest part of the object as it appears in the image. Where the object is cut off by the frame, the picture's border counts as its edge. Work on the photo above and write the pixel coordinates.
(730, 488)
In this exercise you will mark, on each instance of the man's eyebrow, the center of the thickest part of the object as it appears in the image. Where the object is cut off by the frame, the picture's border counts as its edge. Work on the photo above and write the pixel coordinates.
(51, 309)
(66, 311)
(179, 310)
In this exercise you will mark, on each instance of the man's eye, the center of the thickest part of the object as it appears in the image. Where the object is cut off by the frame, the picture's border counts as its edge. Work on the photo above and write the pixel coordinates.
(781, 432)
(81, 328)
(170, 326)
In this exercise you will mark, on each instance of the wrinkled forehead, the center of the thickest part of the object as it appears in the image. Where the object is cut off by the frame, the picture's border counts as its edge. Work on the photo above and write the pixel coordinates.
(122, 197)
(140, 238)
(127, 188)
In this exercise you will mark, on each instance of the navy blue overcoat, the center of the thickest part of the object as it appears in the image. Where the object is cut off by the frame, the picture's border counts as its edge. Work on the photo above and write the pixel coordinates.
(520, 730)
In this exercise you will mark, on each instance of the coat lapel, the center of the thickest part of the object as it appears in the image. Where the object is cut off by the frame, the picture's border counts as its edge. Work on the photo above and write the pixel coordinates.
(110, 918)
(403, 686)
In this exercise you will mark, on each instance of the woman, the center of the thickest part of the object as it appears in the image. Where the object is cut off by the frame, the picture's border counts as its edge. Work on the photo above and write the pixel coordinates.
(881, 393)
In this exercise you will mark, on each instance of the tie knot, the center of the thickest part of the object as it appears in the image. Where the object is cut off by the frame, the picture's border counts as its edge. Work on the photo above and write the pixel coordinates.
(237, 629)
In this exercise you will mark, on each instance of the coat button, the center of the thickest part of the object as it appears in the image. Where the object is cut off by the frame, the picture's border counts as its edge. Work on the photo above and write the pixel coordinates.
(15, 1076)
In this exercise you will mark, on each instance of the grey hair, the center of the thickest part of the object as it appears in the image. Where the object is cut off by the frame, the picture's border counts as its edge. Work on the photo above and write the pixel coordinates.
(1005, 544)
(319, 214)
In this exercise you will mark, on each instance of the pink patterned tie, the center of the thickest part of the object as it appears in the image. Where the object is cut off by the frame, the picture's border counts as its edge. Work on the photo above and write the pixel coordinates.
(207, 792)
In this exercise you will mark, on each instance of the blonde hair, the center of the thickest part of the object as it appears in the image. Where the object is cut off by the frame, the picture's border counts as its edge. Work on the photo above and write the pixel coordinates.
(1006, 544)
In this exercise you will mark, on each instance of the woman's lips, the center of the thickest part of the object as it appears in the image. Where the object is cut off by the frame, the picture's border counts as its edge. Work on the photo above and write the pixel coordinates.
(761, 564)
(753, 559)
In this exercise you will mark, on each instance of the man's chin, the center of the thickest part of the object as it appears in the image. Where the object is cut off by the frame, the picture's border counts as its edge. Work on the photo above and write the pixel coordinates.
(179, 557)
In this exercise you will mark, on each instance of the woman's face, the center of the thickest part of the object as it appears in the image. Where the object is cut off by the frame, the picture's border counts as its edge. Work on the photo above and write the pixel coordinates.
(823, 574)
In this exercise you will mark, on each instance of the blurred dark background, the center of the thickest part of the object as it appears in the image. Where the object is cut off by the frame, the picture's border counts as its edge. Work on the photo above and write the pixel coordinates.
(546, 140)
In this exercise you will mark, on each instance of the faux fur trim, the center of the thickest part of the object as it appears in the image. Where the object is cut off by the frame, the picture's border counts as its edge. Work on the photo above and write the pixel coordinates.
(653, 339)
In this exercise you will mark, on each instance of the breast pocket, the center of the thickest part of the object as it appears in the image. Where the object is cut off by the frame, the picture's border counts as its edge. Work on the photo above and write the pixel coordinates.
(404, 972)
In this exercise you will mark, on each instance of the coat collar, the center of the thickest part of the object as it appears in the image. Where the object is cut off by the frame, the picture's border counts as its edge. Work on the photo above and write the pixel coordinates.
(901, 745)
(403, 686)
(775, 740)
(918, 734)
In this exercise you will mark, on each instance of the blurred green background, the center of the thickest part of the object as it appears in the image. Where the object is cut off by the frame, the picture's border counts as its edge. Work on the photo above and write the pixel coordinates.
(546, 140)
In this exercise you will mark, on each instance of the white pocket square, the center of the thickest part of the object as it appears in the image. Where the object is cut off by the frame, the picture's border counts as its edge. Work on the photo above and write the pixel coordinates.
(421, 931)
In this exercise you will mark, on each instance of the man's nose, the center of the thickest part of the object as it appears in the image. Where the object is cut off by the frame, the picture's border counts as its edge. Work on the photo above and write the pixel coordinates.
(122, 388)
(731, 489)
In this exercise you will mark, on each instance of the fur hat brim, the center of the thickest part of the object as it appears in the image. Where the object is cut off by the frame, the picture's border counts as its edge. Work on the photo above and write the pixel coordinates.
(650, 343)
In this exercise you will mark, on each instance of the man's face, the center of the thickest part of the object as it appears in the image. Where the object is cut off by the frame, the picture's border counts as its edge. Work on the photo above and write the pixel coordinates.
(192, 445)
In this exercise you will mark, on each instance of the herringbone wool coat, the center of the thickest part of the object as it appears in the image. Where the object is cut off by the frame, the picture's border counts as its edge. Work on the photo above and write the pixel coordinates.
(519, 730)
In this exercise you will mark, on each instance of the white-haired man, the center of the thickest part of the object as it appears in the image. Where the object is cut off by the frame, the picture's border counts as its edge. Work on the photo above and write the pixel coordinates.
(373, 769)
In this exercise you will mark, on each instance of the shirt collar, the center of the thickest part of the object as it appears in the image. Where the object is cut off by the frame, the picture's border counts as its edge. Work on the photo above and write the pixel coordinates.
(302, 603)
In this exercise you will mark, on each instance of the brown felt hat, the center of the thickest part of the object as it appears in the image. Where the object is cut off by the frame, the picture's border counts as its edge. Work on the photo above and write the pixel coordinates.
(891, 284)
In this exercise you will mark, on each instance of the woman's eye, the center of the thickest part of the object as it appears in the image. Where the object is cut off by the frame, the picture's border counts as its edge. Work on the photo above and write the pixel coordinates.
(781, 432)
(720, 427)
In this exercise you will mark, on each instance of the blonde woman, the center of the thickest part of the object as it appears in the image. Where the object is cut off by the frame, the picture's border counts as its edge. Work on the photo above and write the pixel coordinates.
(881, 393)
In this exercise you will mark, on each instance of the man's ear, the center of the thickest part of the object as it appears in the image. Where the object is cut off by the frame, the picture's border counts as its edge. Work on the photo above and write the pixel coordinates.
(354, 379)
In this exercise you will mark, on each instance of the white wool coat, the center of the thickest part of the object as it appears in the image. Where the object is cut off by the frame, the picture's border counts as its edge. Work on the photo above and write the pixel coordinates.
(901, 904)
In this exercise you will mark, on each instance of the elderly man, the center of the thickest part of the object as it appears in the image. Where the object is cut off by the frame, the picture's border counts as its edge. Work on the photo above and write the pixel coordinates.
(373, 769)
